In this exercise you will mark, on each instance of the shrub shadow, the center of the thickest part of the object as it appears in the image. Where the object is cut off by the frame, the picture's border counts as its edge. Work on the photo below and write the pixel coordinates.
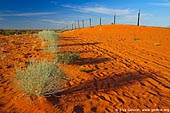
(78, 44)
(69, 38)
(110, 83)
(83, 51)
(84, 61)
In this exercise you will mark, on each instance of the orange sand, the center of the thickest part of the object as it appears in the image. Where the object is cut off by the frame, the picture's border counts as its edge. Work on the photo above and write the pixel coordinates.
(122, 73)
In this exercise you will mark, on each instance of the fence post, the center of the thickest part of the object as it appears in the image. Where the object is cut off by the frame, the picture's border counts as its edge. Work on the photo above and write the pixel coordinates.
(90, 22)
(138, 22)
(100, 21)
(83, 23)
(78, 24)
(72, 27)
(115, 18)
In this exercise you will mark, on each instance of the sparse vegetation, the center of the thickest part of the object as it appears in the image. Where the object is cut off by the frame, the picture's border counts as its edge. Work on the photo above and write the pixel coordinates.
(50, 47)
(50, 40)
(40, 78)
(48, 35)
(83, 70)
(136, 38)
(66, 58)
(156, 44)
(17, 32)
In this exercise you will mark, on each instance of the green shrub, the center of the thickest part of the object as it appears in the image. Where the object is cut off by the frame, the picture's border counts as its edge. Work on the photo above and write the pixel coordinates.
(40, 78)
(136, 38)
(83, 70)
(48, 35)
(50, 40)
(66, 58)
(50, 47)
(7, 33)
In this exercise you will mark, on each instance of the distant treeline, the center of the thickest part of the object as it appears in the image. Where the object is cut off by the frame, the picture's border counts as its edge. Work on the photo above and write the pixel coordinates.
(17, 32)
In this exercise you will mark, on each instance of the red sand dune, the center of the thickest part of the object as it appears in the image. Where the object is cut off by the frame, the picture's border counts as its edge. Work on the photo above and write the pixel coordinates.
(127, 69)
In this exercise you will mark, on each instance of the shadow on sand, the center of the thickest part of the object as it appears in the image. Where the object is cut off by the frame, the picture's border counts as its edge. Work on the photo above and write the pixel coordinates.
(87, 61)
(104, 85)
(69, 38)
(78, 44)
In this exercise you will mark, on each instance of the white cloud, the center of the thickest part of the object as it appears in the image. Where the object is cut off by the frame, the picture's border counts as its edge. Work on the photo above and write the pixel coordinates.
(53, 21)
(59, 22)
(130, 17)
(100, 10)
(54, 2)
(165, 4)
(134, 16)
(27, 14)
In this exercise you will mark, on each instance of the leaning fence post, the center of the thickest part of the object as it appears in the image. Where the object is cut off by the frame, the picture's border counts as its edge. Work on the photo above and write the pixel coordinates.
(83, 23)
(72, 26)
(90, 22)
(78, 24)
(138, 22)
(100, 21)
(114, 18)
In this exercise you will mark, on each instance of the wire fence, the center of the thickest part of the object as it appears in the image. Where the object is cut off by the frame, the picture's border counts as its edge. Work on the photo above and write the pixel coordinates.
(88, 22)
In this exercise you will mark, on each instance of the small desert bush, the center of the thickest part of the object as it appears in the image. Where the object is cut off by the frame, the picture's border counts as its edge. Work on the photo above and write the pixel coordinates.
(40, 78)
(136, 38)
(48, 35)
(156, 44)
(50, 47)
(66, 58)
(83, 70)
(49, 39)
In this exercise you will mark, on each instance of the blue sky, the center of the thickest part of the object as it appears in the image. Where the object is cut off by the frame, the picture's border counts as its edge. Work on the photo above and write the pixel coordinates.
(56, 14)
